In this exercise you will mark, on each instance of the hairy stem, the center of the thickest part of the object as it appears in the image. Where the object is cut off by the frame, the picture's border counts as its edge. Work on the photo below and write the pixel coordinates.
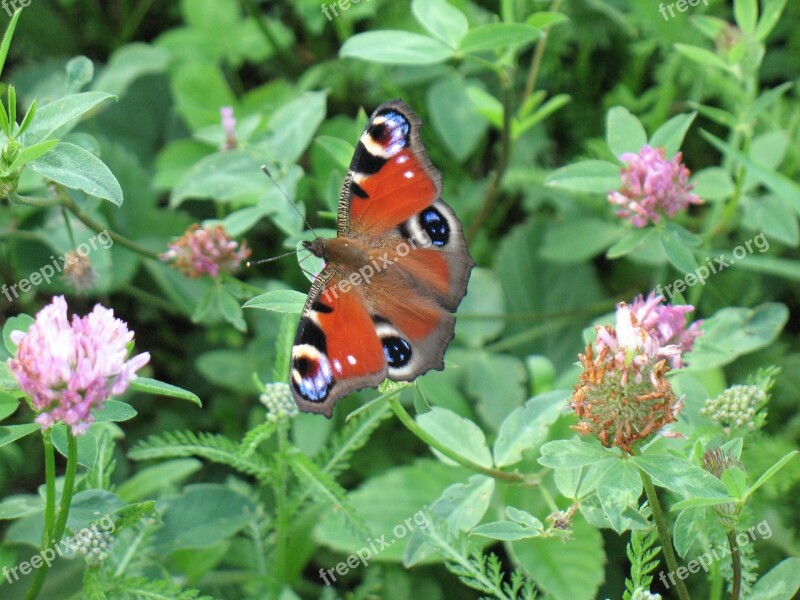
(736, 563)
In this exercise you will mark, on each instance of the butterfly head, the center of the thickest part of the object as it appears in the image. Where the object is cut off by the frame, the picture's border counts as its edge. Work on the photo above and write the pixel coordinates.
(317, 247)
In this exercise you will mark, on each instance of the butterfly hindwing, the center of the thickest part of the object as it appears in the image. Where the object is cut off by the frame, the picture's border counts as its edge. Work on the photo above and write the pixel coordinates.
(336, 349)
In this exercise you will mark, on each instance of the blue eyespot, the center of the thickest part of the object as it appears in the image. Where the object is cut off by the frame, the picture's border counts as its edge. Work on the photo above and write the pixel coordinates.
(397, 351)
(435, 225)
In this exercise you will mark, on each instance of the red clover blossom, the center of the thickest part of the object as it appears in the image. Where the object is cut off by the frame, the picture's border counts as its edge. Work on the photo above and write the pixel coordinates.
(651, 186)
(68, 369)
(206, 251)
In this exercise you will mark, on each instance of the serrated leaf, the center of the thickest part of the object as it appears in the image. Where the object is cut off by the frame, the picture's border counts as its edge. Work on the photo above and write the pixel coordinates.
(570, 454)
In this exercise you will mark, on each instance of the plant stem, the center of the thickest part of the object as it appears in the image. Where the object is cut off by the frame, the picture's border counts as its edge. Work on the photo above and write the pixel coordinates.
(538, 53)
(69, 487)
(70, 205)
(736, 562)
(502, 164)
(663, 532)
(431, 441)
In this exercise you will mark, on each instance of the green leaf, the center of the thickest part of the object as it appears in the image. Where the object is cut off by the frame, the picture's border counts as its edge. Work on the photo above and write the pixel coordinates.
(61, 115)
(565, 568)
(15, 507)
(677, 252)
(202, 515)
(442, 20)
(128, 63)
(293, 125)
(463, 505)
(767, 100)
(777, 182)
(146, 385)
(526, 427)
(773, 217)
(12, 433)
(624, 132)
(770, 18)
(746, 13)
(734, 331)
(484, 299)
(233, 176)
(31, 153)
(618, 489)
(28, 118)
(680, 476)
(231, 309)
(570, 454)
(635, 239)
(340, 150)
(670, 135)
(771, 471)
(87, 445)
(713, 183)
(454, 116)
(506, 531)
(8, 405)
(703, 57)
(80, 71)
(595, 234)
(7, 37)
(546, 19)
(283, 301)
(456, 433)
(241, 221)
(199, 90)
(151, 481)
(736, 481)
(395, 47)
(586, 176)
(489, 107)
(781, 583)
(115, 411)
(498, 36)
(18, 323)
(79, 169)
(688, 525)
(497, 381)
(412, 487)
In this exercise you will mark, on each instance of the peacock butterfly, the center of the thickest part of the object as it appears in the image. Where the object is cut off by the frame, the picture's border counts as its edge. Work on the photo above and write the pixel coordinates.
(383, 304)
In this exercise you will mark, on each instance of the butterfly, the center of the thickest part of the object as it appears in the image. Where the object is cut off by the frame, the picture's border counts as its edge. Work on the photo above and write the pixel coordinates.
(383, 304)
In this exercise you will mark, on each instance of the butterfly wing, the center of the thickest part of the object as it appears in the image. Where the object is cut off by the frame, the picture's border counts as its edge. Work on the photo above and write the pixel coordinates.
(336, 349)
(399, 322)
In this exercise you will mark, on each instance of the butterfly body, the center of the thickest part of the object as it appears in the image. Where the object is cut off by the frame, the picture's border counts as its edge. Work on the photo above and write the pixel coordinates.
(382, 305)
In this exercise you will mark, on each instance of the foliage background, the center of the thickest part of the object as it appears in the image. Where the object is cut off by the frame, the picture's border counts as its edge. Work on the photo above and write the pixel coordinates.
(543, 274)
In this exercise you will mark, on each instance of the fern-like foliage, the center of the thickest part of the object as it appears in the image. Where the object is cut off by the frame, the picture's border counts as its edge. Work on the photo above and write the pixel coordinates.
(216, 448)
(99, 585)
(477, 570)
(642, 551)
(321, 484)
(335, 458)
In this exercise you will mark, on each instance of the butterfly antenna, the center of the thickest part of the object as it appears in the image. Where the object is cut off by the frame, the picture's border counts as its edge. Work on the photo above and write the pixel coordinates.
(253, 263)
(289, 200)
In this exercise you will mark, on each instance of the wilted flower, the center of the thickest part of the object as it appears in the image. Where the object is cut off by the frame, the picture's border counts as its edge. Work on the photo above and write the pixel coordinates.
(68, 369)
(623, 395)
(651, 186)
(78, 271)
(206, 251)
(278, 400)
(716, 462)
(229, 127)
(666, 323)
(736, 407)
